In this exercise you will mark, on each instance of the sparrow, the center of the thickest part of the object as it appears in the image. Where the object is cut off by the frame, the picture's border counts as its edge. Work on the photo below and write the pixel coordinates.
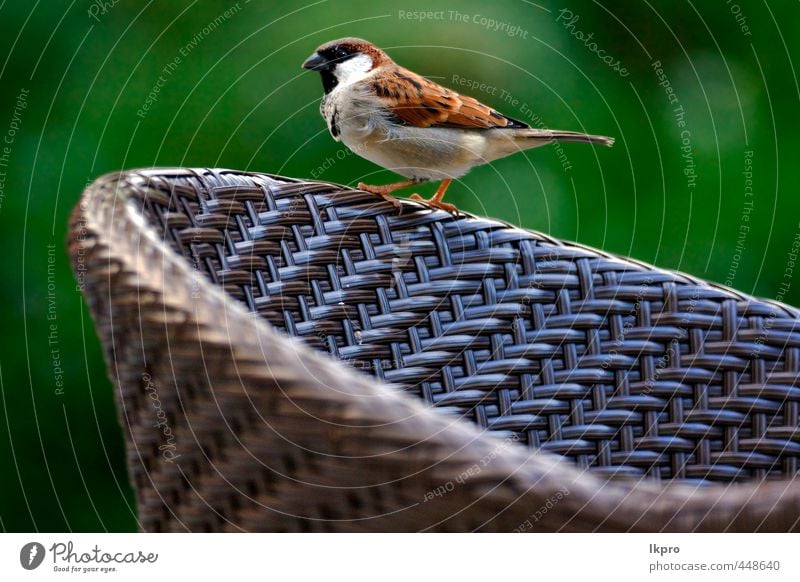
(412, 126)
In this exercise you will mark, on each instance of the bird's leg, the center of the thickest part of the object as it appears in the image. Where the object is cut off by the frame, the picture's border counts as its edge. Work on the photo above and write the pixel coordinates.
(386, 190)
(436, 199)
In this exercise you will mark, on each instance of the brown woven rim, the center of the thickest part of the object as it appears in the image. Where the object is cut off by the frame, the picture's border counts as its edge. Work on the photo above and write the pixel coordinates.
(266, 425)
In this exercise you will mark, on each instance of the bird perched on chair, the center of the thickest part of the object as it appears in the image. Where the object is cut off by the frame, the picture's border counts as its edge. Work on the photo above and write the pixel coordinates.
(411, 125)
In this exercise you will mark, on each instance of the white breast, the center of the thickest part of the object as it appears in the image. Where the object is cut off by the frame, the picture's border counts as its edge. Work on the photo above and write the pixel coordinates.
(352, 114)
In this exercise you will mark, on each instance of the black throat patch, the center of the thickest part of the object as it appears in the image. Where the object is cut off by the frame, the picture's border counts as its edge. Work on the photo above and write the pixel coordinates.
(329, 80)
(334, 124)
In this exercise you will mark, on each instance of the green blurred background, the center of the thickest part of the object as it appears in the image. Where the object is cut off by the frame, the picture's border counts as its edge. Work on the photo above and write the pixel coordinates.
(75, 78)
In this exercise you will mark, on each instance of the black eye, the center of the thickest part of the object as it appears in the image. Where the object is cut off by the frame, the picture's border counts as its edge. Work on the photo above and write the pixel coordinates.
(341, 52)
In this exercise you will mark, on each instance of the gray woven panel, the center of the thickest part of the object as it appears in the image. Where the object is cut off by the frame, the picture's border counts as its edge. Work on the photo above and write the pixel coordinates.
(617, 366)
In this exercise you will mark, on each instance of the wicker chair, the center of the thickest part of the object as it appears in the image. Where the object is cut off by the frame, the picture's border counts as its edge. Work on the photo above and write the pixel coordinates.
(300, 356)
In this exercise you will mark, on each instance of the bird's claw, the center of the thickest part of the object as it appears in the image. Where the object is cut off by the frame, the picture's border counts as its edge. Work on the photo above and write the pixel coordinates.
(450, 208)
(377, 190)
(383, 192)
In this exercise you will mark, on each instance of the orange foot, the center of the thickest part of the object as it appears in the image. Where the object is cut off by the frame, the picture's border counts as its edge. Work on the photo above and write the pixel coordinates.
(446, 206)
(436, 199)
(386, 190)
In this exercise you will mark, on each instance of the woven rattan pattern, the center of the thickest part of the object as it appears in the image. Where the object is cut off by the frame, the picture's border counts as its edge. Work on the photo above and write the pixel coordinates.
(620, 367)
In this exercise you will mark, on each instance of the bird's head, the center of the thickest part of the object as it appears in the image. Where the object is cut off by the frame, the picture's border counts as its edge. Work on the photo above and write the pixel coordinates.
(344, 61)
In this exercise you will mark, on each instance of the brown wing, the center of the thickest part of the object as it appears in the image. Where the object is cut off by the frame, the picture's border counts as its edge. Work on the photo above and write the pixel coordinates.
(417, 101)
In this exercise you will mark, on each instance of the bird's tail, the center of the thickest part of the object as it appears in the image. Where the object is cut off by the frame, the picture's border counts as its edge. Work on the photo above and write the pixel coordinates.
(524, 139)
(547, 135)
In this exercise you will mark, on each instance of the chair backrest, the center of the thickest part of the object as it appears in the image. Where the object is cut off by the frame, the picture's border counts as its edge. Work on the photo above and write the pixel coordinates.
(232, 425)
(617, 366)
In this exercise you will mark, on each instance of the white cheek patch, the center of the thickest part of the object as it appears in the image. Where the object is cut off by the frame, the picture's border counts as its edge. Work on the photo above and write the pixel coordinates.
(353, 69)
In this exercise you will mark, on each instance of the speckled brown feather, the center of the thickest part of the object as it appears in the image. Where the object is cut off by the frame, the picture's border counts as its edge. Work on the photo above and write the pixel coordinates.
(417, 101)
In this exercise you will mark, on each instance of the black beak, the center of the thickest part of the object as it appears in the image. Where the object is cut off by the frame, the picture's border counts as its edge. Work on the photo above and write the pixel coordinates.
(315, 62)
